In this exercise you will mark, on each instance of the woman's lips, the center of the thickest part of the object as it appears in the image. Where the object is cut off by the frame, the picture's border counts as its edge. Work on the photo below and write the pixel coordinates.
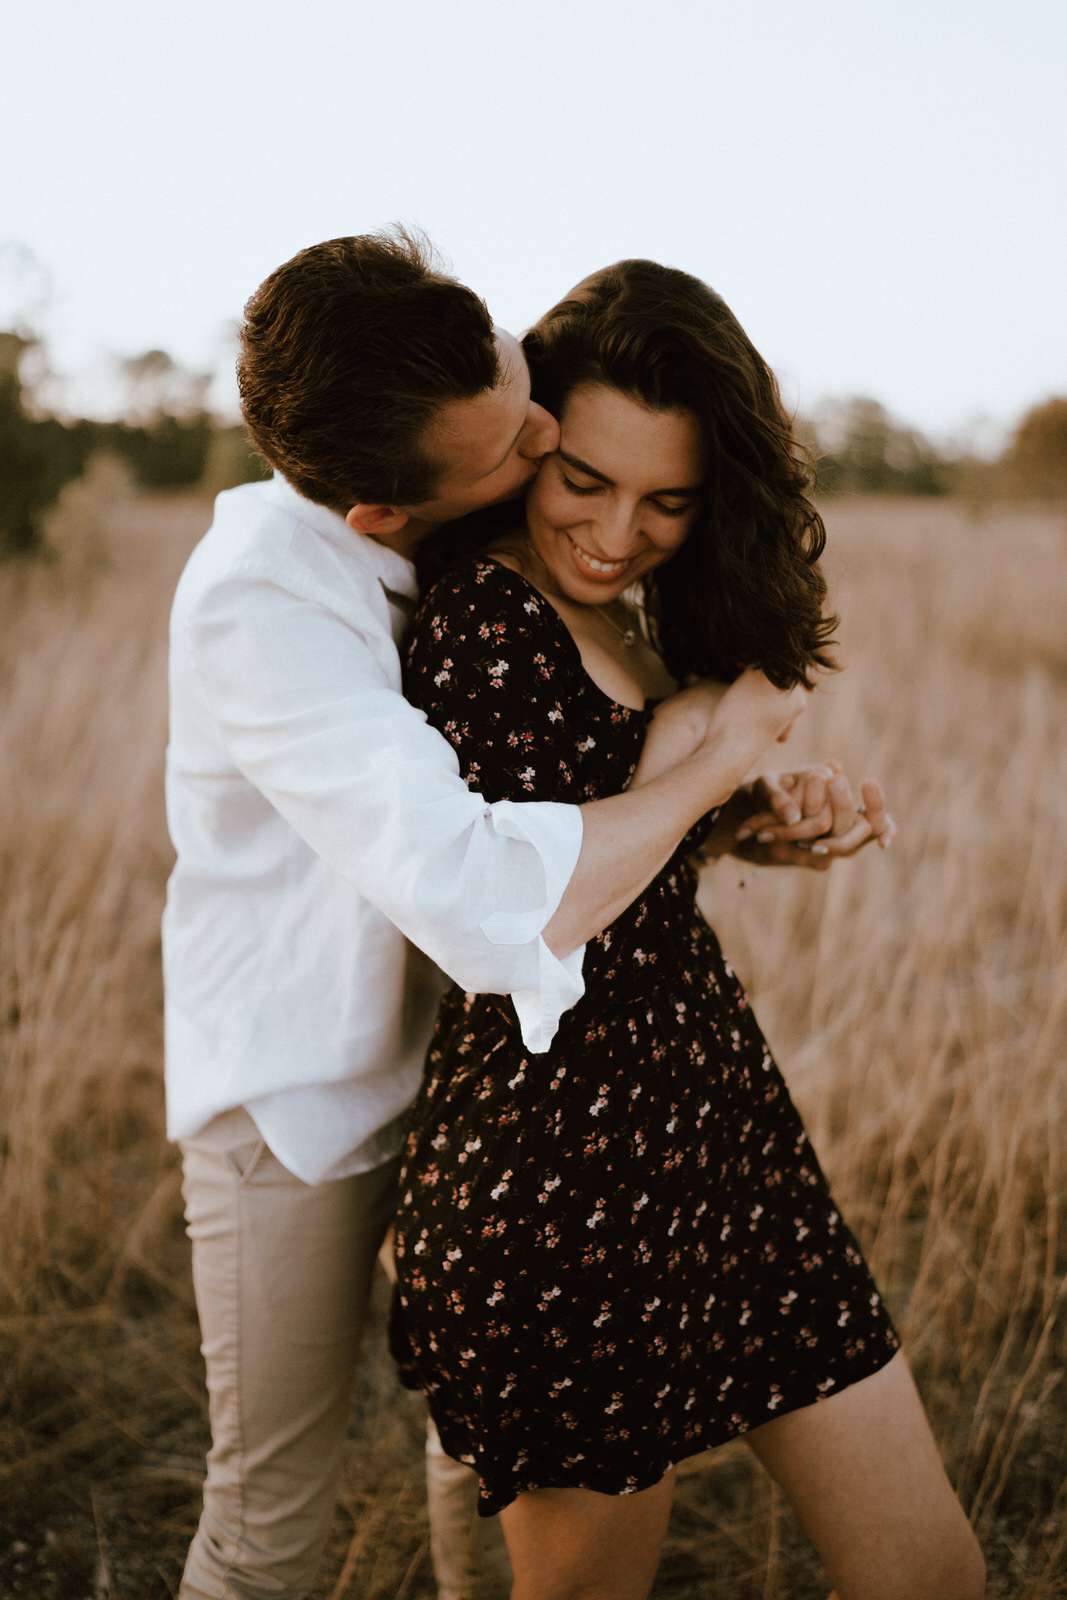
(594, 567)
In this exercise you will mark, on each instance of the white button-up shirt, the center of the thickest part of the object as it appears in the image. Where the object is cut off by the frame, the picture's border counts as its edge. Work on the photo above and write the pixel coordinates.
(320, 824)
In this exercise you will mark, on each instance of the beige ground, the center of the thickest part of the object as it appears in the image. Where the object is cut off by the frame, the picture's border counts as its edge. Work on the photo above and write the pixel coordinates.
(916, 1000)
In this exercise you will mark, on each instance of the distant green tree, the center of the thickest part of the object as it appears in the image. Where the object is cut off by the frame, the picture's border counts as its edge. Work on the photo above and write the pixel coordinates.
(165, 434)
(169, 453)
(167, 439)
(37, 455)
(156, 386)
(861, 449)
(232, 459)
(1036, 459)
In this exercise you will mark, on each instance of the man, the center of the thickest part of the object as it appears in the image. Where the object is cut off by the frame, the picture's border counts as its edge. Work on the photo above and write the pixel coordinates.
(325, 842)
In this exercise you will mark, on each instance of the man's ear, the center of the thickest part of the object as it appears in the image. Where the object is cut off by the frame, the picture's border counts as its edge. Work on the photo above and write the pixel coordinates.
(377, 522)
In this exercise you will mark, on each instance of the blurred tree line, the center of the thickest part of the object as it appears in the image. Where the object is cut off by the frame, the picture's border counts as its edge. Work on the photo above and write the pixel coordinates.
(166, 438)
(860, 449)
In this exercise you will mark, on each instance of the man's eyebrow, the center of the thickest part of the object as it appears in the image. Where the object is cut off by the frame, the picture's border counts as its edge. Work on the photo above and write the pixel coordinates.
(592, 472)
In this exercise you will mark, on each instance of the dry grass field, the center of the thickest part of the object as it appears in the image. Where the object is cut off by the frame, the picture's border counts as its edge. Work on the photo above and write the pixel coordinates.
(917, 1001)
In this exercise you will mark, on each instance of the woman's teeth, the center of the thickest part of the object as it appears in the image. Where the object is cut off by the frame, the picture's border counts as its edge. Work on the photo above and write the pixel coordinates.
(608, 567)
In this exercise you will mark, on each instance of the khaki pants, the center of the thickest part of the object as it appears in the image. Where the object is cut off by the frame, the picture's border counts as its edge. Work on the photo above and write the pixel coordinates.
(282, 1272)
(465, 1547)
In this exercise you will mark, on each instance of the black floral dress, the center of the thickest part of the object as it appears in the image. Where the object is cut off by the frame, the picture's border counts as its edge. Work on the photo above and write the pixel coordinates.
(623, 1251)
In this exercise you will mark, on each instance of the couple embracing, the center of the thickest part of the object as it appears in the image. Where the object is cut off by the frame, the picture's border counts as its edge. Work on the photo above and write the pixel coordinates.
(614, 1244)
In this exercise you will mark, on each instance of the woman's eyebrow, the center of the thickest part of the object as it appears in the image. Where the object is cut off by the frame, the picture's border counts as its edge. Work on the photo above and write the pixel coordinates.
(583, 466)
(579, 465)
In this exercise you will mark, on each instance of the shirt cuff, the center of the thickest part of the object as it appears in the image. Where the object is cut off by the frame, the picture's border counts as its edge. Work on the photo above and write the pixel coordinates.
(555, 831)
(559, 982)
(539, 1010)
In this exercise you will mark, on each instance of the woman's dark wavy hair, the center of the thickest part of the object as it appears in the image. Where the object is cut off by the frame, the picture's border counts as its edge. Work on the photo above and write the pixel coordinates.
(745, 589)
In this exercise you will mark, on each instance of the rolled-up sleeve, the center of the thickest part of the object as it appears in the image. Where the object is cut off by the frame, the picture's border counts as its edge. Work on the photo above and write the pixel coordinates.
(305, 700)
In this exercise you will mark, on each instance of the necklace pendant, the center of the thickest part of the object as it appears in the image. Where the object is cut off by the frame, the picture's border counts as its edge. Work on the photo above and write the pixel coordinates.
(628, 635)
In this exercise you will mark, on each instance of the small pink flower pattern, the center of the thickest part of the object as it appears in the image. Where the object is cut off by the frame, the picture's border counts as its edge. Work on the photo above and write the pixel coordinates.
(621, 1252)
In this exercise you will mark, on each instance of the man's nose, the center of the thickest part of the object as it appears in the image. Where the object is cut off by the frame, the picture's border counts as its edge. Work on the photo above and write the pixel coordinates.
(540, 435)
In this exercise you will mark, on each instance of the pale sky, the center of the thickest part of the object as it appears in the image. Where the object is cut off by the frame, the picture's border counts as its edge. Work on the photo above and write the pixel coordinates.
(879, 190)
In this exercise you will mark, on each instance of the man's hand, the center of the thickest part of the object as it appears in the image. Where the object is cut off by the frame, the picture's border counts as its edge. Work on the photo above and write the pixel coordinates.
(810, 818)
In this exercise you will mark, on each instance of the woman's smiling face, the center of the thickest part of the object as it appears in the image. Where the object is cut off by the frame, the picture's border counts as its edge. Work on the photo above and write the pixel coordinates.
(618, 498)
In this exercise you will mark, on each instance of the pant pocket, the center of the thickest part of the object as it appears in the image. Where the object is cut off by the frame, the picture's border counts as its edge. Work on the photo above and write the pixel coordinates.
(243, 1159)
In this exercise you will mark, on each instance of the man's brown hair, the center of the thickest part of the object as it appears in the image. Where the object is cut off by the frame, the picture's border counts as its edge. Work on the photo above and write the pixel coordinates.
(348, 352)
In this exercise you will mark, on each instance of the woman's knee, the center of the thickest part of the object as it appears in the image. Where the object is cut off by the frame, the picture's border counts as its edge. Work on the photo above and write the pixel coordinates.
(577, 1544)
(962, 1575)
(955, 1572)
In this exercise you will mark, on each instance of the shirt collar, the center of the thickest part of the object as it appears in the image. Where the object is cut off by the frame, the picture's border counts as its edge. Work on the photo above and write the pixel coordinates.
(393, 571)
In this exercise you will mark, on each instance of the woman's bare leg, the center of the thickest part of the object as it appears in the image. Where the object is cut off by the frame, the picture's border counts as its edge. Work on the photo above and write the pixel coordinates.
(575, 1544)
(862, 1473)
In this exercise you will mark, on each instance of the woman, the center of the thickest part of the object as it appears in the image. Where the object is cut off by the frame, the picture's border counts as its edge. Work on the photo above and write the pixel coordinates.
(623, 1251)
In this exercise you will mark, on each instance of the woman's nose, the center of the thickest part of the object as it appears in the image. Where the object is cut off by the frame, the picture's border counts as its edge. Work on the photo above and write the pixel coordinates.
(540, 435)
(613, 526)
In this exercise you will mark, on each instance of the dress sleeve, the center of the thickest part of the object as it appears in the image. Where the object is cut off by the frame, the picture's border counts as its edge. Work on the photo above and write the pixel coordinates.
(489, 665)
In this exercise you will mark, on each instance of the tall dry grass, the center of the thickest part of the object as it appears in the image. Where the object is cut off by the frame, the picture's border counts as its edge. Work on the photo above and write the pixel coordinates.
(919, 999)
(916, 1000)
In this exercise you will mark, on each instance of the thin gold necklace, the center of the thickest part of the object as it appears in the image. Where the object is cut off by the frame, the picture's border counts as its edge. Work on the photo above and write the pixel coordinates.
(627, 635)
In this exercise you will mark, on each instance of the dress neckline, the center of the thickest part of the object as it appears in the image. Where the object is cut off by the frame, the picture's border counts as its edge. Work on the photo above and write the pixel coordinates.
(572, 643)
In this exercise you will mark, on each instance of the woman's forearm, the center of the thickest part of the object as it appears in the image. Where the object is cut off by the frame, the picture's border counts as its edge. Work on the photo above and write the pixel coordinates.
(628, 838)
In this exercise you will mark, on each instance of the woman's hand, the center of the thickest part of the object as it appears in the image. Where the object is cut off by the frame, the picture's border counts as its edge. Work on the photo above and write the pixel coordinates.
(751, 715)
(738, 720)
(810, 818)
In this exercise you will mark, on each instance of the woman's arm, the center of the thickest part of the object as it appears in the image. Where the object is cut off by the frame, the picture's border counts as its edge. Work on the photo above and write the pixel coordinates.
(808, 818)
(485, 666)
(628, 838)
(678, 727)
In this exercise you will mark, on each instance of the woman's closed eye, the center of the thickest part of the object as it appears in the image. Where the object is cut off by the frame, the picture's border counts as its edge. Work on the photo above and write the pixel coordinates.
(598, 488)
(673, 511)
(580, 488)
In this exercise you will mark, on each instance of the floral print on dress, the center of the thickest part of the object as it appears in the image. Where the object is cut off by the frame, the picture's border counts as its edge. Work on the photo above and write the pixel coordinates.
(623, 1251)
